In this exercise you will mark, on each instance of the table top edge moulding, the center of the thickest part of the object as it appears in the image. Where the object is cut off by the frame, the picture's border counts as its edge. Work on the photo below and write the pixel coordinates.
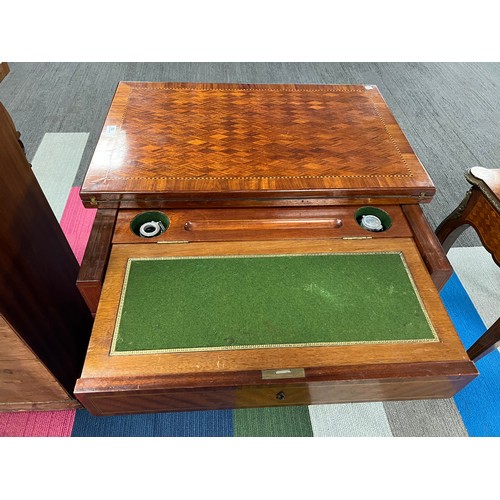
(263, 142)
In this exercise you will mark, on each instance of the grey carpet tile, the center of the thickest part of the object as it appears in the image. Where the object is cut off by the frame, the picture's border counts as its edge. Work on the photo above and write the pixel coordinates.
(425, 418)
(450, 112)
(55, 164)
(349, 420)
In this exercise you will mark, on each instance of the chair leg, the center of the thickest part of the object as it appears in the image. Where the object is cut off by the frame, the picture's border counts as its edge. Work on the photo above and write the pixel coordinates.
(489, 341)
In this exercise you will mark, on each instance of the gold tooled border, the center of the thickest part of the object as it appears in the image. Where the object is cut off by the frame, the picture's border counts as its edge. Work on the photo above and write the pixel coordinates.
(114, 352)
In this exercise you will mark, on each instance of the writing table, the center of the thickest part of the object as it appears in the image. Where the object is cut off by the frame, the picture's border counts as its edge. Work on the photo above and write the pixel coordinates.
(263, 285)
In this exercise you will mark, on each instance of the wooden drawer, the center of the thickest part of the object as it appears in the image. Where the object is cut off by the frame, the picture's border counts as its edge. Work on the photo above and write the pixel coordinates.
(375, 383)
(174, 381)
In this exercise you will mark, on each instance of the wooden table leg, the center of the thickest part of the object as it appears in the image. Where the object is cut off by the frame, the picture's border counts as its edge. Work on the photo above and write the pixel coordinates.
(456, 223)
(488, 342)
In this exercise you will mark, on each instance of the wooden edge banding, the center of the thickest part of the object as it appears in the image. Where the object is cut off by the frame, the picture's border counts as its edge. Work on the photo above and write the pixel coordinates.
(428, 244)
(241, 378)
(241, 87)
(70, 404)
(253, 199)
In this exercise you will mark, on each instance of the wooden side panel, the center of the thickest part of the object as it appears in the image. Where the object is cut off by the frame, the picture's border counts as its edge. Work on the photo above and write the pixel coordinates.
(25, 383)
(430, 248)
(93, 268)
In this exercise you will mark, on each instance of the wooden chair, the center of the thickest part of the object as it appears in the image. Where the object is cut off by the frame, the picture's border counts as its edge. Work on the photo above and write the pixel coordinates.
(480, 209)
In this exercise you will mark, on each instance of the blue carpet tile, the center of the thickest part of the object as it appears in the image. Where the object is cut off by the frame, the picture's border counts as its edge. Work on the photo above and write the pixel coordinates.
(478, 402)
(180, 424)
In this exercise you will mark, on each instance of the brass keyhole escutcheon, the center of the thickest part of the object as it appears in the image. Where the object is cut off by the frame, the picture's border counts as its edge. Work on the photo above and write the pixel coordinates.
(280, 396)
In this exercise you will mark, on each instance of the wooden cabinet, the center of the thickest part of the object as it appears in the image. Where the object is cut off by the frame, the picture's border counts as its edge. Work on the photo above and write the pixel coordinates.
(44, 322)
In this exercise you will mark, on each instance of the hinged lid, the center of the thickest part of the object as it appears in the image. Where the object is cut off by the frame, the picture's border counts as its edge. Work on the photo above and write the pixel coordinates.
(242, 144)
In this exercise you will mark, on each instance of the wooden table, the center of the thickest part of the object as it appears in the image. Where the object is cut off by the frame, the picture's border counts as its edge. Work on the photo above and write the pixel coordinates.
(254, 170)
(479, 209)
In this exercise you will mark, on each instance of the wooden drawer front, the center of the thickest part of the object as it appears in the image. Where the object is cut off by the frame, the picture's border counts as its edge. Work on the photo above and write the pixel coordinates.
(282, 394)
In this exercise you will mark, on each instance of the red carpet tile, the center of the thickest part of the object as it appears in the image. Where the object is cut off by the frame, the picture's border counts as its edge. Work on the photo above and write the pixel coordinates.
(76, 223)
(37, 424)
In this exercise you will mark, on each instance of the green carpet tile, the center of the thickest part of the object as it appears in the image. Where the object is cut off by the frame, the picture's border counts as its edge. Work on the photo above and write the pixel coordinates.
(284, 421)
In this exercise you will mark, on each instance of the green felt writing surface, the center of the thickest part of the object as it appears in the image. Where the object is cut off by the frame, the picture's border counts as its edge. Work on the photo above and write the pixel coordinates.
(237, 302)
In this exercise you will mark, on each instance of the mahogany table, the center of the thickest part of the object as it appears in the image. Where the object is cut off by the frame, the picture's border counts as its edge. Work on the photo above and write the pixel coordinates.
(259, 170)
